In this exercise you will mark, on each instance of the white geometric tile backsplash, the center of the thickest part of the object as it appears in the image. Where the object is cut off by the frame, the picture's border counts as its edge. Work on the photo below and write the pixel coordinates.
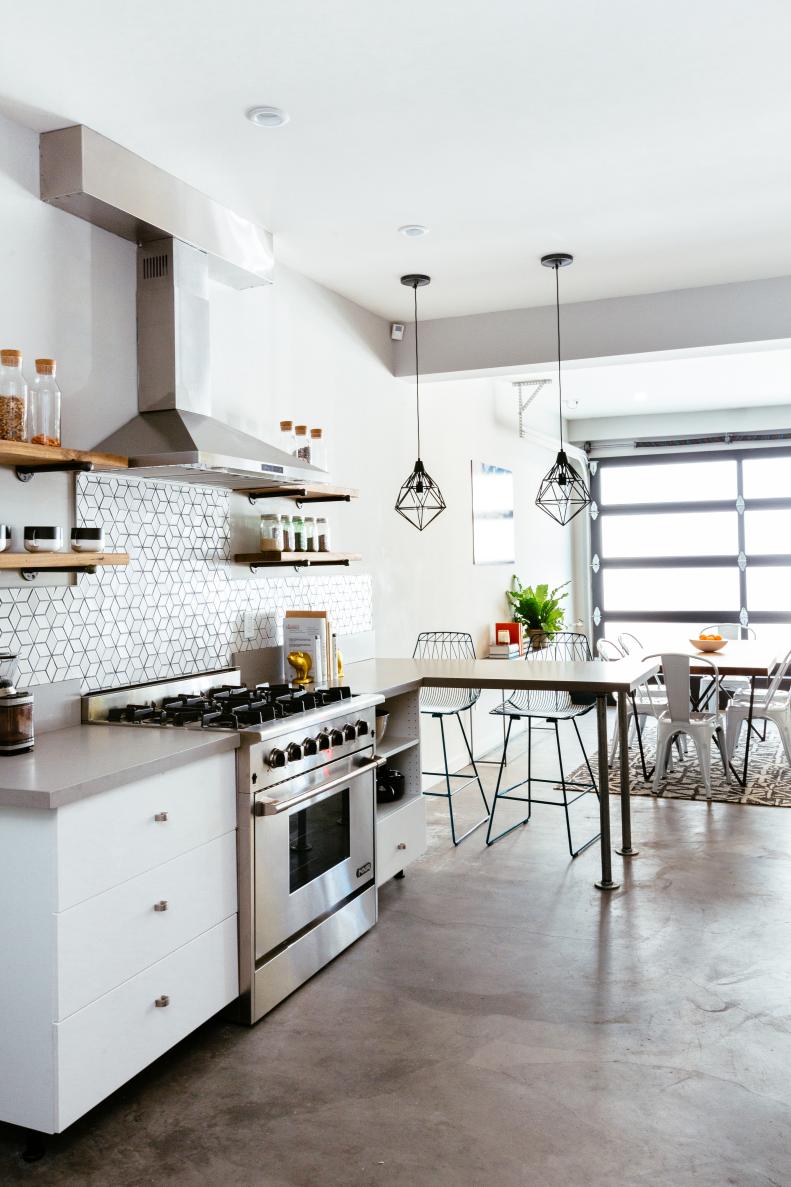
(176, 608)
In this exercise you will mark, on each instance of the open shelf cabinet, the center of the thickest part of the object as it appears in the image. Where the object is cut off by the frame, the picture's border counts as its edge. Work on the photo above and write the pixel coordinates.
(28, 459)
(309, 493)
(31, 563)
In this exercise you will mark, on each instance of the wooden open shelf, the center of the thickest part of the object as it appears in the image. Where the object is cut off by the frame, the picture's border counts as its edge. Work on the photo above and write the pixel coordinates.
(309, 493)
(60, 562)
(24, 454)
(273, 557)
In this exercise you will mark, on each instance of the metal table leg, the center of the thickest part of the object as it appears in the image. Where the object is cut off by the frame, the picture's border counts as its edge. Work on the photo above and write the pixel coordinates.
(626, 849)
(606, 881)
(742, 779)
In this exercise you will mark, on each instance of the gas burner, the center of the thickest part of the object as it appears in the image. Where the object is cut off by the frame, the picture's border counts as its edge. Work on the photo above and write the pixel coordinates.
(135, 713)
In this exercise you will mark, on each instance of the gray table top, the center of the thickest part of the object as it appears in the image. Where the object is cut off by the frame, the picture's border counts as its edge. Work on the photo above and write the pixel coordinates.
(599, 677)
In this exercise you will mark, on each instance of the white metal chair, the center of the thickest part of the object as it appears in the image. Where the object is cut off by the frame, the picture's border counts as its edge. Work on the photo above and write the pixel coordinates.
(733, 684)
(440, 703)
(702, 726)
(770, 704)
(640, 706)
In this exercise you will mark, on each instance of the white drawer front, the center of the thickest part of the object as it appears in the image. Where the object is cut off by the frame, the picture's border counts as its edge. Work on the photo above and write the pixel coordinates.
(400, 838)
(104, 840)
(104, 1045)
(109, 938)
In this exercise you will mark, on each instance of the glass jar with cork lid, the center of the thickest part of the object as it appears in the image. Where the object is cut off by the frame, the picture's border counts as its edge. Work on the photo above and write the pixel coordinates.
(13, 397)
(44, 405)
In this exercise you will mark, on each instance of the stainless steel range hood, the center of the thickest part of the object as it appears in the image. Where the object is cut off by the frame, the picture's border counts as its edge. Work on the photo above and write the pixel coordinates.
(184, 240)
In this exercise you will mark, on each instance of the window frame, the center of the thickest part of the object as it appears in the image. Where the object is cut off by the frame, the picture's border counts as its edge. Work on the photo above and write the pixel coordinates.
(741, 558)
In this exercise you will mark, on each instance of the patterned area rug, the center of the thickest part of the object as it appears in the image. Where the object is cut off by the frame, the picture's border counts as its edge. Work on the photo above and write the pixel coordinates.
(768, 775)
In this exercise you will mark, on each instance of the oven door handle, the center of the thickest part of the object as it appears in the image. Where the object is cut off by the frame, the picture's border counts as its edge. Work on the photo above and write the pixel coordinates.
(272, 807)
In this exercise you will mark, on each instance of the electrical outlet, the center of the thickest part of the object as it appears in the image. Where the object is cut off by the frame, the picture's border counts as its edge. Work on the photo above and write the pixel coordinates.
(249, 625)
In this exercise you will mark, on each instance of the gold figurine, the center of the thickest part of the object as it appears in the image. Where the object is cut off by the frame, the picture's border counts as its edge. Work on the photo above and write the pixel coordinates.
(301, 662)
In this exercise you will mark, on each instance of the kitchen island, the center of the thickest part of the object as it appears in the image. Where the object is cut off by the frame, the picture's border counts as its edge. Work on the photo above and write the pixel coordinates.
(400, 681)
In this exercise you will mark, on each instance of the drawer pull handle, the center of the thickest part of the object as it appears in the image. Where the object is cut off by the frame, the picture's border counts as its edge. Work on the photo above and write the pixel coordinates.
(161, 817)
(162, 1001)
(401, 845)
(162, 905)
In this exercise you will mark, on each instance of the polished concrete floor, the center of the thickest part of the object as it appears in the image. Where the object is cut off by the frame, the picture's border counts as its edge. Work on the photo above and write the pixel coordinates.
(505, 1024)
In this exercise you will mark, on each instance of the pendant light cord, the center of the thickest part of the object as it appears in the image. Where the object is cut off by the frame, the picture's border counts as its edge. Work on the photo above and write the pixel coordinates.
(417, 373)
(560, 387)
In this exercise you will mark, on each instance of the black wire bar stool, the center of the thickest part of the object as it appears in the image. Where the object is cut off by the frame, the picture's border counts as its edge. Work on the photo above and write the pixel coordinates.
(552, 708)
(441, 703)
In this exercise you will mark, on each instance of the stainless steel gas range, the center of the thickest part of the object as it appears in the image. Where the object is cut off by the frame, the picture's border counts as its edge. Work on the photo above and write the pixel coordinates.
(305, 783)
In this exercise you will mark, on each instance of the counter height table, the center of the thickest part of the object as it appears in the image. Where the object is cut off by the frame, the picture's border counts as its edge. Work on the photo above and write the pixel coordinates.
(596, 678)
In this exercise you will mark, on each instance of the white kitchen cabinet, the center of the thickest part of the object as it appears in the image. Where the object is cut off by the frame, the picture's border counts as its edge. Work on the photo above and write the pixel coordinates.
(83, 954)
(400, 837)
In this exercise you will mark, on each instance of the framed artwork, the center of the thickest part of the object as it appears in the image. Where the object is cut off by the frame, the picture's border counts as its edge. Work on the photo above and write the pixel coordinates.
(493, 541)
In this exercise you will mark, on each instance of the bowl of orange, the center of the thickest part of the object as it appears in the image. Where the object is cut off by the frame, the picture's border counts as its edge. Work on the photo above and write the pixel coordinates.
(708, 642)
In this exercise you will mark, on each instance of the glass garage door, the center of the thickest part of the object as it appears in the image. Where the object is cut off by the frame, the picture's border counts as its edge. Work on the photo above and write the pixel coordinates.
(679, 542)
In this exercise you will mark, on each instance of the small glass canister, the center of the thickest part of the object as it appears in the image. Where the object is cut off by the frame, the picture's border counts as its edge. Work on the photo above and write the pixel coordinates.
(289, 523)
(271, 533)
(322, 535)
(310, 534)
(299, 533)
(13, 397)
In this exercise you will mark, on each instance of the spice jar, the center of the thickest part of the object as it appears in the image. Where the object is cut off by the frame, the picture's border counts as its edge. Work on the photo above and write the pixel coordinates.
(299, 533)
(44, 405)
(13, 396)
(303, 443)
(271, 533)
(310, 534)
(287, 442)
(288, 526)
(322, 535)
(318, 453)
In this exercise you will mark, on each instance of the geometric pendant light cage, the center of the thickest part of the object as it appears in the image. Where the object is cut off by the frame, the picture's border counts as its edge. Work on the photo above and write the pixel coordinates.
(562, 493)
(419, 499)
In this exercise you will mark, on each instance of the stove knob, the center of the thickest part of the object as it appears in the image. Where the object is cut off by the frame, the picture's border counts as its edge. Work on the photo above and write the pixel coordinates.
(276, 758)
(293, 751)
(310, 746)
(349, 733)
(336, 738)
(323, 740)
(362, 728)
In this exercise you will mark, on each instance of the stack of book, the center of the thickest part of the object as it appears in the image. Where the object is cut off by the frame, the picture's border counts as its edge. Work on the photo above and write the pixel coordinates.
(504, 650)
(309, 631)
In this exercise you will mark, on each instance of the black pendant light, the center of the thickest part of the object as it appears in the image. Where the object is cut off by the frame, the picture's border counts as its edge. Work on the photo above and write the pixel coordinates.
(563, 493)
(419, 500)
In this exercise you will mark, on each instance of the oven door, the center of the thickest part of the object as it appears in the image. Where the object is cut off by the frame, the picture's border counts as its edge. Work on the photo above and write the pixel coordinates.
(313, 850)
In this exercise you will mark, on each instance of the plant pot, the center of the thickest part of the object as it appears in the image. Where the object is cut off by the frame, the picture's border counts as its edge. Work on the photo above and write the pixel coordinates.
(538, 638)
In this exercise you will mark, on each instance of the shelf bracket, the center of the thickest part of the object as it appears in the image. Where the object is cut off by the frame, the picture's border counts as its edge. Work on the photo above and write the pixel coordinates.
(31, 574)
(25, 473)
(276, 493)
(296, 565)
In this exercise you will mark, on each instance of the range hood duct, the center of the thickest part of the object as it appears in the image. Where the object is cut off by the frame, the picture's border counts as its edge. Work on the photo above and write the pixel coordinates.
(184, 240)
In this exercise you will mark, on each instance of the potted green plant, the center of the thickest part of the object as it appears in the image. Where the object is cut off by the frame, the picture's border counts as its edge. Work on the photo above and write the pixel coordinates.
(539, 610)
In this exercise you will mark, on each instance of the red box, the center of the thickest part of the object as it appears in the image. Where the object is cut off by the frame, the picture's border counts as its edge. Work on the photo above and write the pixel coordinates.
(515, 633)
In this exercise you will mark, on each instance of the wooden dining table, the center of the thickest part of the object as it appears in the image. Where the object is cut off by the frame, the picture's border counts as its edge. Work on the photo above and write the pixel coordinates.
(752, 659)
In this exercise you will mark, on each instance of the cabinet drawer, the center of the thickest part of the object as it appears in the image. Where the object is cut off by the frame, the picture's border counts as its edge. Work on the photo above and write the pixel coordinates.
(104, 1045)
(104, 840)
(400, 838)
(109, 938)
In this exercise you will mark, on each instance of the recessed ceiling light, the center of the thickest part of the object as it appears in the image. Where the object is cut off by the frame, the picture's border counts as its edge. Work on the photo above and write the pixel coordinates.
(413, 231)
(267, 117)
(641, 397)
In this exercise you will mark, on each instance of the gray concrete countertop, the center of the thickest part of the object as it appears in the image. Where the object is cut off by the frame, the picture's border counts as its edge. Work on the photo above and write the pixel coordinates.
(83, 760)
(595, 677)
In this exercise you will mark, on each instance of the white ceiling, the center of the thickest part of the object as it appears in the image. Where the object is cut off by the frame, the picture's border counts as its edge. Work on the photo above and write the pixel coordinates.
(649, 139)
(681, 382)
